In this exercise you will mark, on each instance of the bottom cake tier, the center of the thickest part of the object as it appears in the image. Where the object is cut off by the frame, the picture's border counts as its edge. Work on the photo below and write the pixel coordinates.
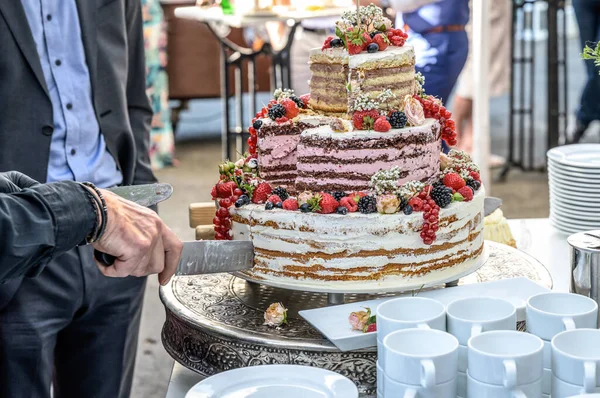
(336, 249)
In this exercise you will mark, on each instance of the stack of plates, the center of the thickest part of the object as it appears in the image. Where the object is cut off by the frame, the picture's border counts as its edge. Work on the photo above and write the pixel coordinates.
(574, 177)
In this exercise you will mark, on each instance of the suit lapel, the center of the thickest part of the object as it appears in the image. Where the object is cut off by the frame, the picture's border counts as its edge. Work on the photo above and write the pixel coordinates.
(87, 22)
(15, 17)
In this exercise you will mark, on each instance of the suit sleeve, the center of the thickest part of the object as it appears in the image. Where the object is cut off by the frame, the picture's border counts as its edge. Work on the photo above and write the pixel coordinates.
(140, 112)
(39, 223)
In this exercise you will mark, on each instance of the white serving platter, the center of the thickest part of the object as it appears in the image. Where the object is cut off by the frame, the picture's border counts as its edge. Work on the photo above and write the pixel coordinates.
(289, 381)
(588, 181)
(579, 207)
(573, 187)
(578, 155)
(332, 322)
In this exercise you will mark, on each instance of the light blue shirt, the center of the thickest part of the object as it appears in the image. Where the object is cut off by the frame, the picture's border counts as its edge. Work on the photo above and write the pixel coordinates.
(440, 13)
(77, 150)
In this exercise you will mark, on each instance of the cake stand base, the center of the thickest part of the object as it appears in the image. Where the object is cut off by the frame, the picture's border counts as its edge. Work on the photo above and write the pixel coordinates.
(215, 322)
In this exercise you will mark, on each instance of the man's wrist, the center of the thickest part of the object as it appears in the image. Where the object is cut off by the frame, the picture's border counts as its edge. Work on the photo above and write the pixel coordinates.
(100, 209)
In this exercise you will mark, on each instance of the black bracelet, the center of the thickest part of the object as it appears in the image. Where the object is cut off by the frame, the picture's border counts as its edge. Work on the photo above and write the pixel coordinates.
(95, 205)
(102, 207)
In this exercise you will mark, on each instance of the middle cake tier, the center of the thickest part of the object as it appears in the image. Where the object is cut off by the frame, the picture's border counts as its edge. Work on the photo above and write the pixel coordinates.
(345, 161)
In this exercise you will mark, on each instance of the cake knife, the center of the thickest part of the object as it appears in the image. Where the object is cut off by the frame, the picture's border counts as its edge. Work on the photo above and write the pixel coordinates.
(215, 256)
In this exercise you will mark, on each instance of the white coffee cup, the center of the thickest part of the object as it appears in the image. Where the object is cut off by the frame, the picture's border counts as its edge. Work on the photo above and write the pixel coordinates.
(551, 313)
(471, 316)
(506, 358)
(547, 355)
(576, 358)
(425, 357)
(562, 389)
(477, 389)
(409, 312)
(394, 389)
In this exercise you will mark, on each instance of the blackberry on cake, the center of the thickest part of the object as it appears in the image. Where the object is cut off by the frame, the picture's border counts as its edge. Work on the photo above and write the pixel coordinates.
(298, 102)
(398, 119)
(257, 124)
(338, 195)
(367, 204)
(269, 205)
(277, 111)
(441, 195)
(473, 184)
(341, 210)
(281, 192)
(336, 43)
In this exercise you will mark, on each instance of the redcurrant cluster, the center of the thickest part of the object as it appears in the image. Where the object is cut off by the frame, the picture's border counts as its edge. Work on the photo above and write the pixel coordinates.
(227, 192)
(433, 109)
(253, 140)
(431, 216)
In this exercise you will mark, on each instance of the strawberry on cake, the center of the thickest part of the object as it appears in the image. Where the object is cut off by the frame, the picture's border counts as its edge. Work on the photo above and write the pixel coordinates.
(347, 185)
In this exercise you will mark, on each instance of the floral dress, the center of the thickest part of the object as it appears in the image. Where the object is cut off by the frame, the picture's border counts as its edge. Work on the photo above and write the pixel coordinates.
(162, 145)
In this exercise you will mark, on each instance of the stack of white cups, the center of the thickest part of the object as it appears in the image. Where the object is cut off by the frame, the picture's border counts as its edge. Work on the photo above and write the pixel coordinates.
(472, 316)
(549, 314)
(415, 356)
(505, 363)
(576, 363)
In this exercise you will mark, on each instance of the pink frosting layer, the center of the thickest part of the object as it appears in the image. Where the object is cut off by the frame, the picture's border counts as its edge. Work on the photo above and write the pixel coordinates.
(349, 154)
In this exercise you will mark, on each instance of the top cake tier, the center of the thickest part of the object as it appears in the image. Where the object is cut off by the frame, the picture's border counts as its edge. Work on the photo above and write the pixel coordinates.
(338, 78)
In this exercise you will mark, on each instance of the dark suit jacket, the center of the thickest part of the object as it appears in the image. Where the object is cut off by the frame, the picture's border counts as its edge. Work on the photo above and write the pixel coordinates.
(114, 48)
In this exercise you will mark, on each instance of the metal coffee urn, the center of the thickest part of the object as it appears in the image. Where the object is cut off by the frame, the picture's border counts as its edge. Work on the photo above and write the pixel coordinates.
(585, 264)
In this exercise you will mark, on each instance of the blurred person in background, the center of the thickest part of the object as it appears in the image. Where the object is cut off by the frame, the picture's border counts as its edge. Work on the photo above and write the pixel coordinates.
(162, 146)
(587, 13)
(436, 29)
(499, 76)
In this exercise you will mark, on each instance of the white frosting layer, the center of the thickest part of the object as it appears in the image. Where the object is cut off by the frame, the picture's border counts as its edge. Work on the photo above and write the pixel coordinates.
(326, 131)
(338, 55)
(292, 244)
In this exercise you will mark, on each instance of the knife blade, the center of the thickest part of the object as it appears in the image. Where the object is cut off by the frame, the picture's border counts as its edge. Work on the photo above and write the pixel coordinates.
(144, 195)
(490, 205)
(215, 256)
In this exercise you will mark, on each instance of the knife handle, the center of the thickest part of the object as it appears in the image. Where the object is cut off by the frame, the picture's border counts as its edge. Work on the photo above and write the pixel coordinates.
(104, 259)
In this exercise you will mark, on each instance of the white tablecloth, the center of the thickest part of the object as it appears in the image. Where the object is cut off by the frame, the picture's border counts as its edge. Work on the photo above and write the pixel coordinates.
(535, 237)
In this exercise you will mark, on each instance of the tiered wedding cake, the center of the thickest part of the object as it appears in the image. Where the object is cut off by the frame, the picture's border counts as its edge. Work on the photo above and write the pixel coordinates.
(347, 184)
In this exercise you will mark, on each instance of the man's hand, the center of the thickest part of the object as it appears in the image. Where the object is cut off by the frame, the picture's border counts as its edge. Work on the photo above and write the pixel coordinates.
(141, 243)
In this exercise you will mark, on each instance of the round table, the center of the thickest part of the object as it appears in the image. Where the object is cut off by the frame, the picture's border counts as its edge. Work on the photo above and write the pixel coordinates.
(215, 322)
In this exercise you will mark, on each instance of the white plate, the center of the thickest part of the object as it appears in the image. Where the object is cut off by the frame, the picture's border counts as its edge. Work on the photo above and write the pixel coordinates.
(573, 186)
(574, 225)
(578, 207)
(574, 194)
(569, 169)
(571, 213)
(568, 229)
(579, 155)
(270, 381)
(332, 322)
(571, 174)
(390, 284)
(559, 177)
(589, 199)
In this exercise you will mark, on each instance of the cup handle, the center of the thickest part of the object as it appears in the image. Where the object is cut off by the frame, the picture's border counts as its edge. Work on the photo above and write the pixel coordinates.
(427, 373)
(510, 373)
(410, 393)
(423, 326)
(476, 329)
(589, 377)
(518, 394)
(568, 323)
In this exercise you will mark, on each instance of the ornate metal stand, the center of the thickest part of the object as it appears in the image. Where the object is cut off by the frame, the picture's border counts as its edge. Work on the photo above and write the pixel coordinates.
(215, 322)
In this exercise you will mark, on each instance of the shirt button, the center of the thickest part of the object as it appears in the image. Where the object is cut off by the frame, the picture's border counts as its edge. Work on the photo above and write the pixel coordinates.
(69, 106)
(47, 130)
(49, 17)
(58, 62)
(73, 151)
